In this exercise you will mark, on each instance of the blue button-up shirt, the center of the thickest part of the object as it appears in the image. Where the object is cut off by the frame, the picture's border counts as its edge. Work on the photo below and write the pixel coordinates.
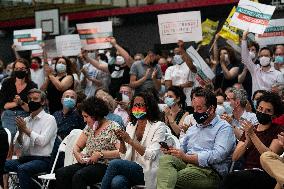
(213, 144)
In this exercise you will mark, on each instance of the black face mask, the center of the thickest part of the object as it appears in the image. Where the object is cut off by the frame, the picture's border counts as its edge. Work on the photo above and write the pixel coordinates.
(20, 74)
(263, 118)
(33, 106)
(200, 117)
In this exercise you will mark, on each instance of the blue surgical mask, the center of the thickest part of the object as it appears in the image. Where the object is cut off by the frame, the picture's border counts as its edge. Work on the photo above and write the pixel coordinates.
(60, 68)
(228, 107)
(279, 59)
(177, 59)
(220, 110)
(69, 103)
(169, 101)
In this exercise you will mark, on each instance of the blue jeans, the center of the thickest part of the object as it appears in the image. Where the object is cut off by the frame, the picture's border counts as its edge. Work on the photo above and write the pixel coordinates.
(9, 122)
(26, 167)
(122, 174)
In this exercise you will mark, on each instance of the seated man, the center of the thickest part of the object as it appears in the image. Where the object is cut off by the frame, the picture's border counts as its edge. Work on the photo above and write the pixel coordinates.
(273, 164)
(36, 136)
(68, 118)
(206, 149)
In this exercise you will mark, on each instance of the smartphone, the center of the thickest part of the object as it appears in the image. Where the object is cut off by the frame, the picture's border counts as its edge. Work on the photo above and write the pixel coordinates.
(164, 145)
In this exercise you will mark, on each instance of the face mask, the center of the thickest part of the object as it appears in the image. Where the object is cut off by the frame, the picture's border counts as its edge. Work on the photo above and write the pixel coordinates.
(228, 107)
(255, 104)
(264, 61)
(33, 106)
(263, 118)
(200, 117)
(95, 125)
(220, 110)
(169, 101)
(177, 59)
(60, 68)
(279, 59)
(226, 57)
(252, 55)
(20, 74)
(125, 98)
(34, 66)
(139, 112)
(119, 60)
(69, 103)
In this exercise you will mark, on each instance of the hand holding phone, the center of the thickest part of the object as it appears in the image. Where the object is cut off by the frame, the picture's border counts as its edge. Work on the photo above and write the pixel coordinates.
(164, 145)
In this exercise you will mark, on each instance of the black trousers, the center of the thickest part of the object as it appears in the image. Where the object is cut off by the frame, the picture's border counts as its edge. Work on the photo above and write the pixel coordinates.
(248, 179)
(79, 176)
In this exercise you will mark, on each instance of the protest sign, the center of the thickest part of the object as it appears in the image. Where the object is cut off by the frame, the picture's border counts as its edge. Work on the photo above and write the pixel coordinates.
(204, 72)
(184, 26)
(95, 35)
(228, 32)
(209, 28)
(68, 45)
(27, 39)
(251, 16)
(273, 34)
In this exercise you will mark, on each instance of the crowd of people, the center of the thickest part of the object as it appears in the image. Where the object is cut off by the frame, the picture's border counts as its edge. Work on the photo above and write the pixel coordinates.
(146, 119)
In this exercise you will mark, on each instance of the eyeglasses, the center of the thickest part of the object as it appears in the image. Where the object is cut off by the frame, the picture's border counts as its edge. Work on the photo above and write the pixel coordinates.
(139, 105)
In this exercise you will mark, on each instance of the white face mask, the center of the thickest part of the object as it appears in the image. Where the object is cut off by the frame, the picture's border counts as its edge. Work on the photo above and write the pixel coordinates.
(226, 57)
(177, 59)
(252, 55)
(119, 60)
(264, 61)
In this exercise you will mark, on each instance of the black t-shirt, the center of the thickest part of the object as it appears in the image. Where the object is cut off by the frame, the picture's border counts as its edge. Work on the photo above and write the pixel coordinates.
(9, 90)
(119, 75)
(221, 81)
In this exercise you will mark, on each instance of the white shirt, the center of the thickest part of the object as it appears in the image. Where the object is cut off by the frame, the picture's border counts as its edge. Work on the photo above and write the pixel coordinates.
(180, 74)
(41, 140)
(260, 79)
(122, 113)
(37, 76)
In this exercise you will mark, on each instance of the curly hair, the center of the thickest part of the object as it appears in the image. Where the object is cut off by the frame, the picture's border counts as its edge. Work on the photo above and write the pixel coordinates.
(178, 92)
(68, 65)
(153, 113)
(274, 100)
(95, 107)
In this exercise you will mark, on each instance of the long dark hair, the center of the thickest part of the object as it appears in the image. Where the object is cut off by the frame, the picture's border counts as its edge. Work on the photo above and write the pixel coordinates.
(231, 53)
(153, 113)
(178, 92)
(27, 64)
(68, 65)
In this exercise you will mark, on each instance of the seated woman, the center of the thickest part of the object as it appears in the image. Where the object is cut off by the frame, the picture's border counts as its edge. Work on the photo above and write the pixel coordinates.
(139, 147)
(175, 112)
(101, 145)
(254, 142)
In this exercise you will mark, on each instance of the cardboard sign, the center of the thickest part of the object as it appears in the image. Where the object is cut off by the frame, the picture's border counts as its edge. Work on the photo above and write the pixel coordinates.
(184, 26)
(95, 35)
(27, 39)
(68, 45)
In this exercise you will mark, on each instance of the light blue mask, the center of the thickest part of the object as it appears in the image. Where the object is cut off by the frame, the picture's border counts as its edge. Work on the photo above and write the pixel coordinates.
(177, 59)
(228, 107)
(60, 68)
(279, 59)
(69, 103)
(169, 101)
(220, 110)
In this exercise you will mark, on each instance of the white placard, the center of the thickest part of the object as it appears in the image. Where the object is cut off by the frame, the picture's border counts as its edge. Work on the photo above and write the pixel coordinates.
(68, 45)
(27, 39)
(184, 26)
(252, 16)
(273, 34)
(200, 63)
(95, 35)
